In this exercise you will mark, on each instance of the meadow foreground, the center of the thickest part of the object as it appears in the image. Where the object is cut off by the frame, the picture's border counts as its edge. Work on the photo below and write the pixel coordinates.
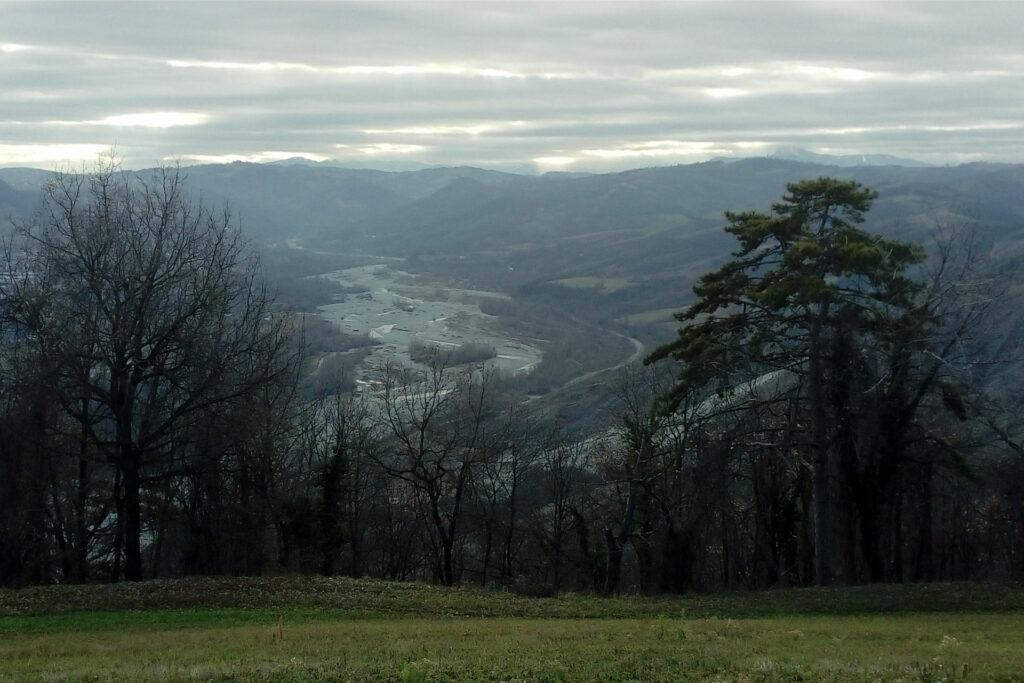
(344, 629)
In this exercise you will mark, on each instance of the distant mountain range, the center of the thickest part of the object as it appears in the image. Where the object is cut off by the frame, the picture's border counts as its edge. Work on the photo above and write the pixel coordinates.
(844, 160)
(785, 153)
(653, 229)
(17, 203)
(600, 255)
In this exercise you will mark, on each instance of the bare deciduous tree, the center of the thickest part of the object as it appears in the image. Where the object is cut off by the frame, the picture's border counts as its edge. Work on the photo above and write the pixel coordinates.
(439, 420)
(151, 310)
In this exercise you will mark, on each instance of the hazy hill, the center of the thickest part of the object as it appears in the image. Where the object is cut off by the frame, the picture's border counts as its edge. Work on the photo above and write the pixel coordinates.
(27, 179)
(467, 215)
(637, 239)
(15, 203)
(275, 202)
(506, 230)
(648, 201)
(805, 156)
(286, 200)
(582, 255)
(463, 208)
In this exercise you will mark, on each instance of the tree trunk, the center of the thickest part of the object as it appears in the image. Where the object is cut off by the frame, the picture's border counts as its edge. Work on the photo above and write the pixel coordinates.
(677, 569)
(354, 518)
(446, 535)
(924, 569)
(81, 526)
(614, 546)
(115, 564)
(871, 511)
(506, 553)
(329, 522)
(81, 530)
(447, 561)
(613, 562)
(820, 476)
(132, 520)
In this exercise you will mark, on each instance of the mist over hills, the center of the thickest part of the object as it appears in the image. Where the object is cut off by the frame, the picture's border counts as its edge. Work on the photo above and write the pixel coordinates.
(650, 226)
(653, 229)
(597, 260)
(805, 156)
(462, 211)
(16, 203)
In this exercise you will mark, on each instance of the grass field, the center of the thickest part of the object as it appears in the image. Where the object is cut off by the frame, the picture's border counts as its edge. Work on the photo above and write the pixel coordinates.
(341, 629)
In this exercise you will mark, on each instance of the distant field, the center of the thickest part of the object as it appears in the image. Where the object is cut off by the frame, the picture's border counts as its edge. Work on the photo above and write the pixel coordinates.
(602, 284)
(658, 315)
(341, 629)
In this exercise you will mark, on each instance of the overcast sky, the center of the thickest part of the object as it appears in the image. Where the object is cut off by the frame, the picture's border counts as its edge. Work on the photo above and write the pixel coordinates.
(523, 86)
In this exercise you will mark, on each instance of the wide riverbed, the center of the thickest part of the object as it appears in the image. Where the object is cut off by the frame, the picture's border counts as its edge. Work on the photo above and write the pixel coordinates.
(397, 308)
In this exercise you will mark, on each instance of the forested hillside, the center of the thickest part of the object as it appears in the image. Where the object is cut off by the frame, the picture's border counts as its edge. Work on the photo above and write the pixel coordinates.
(840, 405)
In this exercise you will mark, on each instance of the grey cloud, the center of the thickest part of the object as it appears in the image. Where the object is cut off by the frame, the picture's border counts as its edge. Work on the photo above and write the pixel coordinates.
(913, 78)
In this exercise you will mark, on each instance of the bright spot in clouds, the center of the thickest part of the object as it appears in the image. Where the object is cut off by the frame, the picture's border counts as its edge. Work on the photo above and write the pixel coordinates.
(556, 161)
(737, 71)
(426, 70)
(827, 73)
(428, 130)
(382, 148)
(514, 86)
(355, 70)
(722, 93)
(12, 155)
(257, 158)
(657, 148)
(240, 66)
(156, 119)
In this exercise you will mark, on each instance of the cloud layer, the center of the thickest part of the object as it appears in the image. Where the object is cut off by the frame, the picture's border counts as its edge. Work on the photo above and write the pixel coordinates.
(526, 86)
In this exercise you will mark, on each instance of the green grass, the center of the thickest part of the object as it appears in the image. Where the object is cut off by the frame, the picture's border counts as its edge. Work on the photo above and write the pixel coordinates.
(342, 629)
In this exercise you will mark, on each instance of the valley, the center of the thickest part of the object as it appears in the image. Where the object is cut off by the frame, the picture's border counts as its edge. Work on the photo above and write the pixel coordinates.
(400, 310)
(563, 285)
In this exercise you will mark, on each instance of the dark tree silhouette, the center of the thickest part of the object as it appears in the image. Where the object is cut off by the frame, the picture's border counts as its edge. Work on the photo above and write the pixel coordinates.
(150, 312)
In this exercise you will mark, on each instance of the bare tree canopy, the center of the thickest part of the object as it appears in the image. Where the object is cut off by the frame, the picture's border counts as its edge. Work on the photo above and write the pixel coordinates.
(150, 317)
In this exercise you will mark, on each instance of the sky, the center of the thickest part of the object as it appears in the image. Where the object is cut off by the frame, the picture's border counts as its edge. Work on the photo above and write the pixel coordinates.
(521, 86)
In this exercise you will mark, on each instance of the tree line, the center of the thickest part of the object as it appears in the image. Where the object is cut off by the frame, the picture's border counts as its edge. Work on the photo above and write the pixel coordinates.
(822, 416)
